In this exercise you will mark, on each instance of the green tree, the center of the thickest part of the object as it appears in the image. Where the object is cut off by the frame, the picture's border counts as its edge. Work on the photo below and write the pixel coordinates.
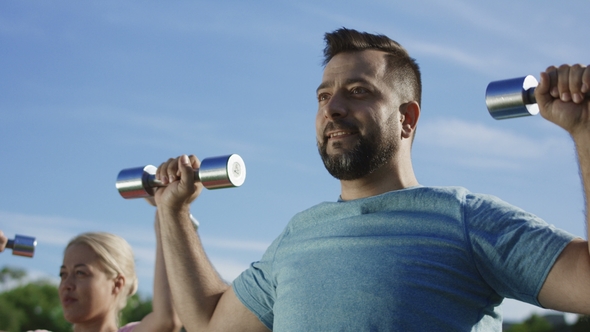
(137, 308)
(582, 325)
(10, 273)
(32, 306)
(534, 323)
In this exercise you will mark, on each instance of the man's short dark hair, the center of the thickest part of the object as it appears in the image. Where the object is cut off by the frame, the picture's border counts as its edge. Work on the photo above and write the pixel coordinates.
(402, 69)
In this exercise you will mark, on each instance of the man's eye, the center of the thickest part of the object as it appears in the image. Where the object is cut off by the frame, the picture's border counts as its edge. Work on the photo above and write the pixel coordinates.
(323, 97)
(358, 90)
(62, 275)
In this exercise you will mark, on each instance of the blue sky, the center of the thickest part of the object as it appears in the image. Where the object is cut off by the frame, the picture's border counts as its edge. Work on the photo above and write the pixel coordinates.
(90, 88)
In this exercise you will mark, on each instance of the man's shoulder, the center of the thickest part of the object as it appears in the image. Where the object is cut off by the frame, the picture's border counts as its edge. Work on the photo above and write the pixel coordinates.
(417, 197)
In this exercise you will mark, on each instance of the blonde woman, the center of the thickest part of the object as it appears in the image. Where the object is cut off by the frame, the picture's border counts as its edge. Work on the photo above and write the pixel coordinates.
(97, 278)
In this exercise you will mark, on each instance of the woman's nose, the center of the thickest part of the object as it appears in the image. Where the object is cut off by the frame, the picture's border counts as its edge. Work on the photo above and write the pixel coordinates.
(66, 283)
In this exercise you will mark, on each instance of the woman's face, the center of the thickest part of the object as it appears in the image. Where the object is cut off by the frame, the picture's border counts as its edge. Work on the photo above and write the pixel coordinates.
(87, 294)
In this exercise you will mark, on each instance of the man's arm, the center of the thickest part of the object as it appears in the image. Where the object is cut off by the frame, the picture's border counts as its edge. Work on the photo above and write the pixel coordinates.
(201, 298)
(563, 98)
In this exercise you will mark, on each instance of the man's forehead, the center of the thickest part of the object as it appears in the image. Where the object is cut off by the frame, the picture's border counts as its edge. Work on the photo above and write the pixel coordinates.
(364, 65)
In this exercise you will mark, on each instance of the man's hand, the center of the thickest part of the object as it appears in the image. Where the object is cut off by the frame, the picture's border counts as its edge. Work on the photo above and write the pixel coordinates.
(179, 177)
(3, 241)
(563, 97)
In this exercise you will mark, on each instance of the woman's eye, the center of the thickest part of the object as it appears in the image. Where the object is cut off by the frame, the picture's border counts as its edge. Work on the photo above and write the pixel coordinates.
(62, 275)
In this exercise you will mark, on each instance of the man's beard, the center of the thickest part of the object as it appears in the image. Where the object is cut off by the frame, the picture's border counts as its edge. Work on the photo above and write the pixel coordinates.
(368, 154)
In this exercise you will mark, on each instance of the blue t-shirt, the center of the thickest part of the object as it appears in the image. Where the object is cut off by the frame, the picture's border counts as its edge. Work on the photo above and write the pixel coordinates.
(418, 259)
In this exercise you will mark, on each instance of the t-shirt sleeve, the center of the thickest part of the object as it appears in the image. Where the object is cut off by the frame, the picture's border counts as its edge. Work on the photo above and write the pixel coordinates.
(513, 250)
(256, 286)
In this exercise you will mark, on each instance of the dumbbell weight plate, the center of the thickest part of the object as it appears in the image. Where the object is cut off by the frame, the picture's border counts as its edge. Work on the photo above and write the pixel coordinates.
(214, 173)
(512, 98)
(135, 182)
(22, 245)
(222, 172)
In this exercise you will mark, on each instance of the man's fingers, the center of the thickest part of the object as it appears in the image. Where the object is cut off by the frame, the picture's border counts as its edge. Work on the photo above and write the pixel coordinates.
(552, 76)
(186, 171)
(563, 75)
(576, 74)
(167, 172)
(567, 83)
(195, 162)
(586, 80)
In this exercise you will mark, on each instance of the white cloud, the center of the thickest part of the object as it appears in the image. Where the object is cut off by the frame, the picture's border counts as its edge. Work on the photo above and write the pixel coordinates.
(235, 244)
(516, 311)
(476, 16)
(485, 146)
(454, 54)
(228, 269)
(54, 230)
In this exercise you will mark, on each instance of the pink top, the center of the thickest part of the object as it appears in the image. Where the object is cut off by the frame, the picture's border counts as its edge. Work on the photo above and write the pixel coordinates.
(128, 327)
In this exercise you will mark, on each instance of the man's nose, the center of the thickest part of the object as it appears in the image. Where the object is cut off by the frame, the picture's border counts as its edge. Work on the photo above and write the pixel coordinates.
(336, 107)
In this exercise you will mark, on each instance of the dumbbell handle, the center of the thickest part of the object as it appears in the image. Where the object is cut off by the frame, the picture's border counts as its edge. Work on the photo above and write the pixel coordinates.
(22, 245)
(214, 173)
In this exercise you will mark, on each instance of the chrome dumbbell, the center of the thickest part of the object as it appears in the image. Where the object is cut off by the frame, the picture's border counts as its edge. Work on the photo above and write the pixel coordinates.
(214, 173)
(22, 245)
(512, 98)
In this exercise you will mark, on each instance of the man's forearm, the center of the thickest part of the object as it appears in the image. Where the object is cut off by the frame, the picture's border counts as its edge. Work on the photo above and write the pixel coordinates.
(582, 142)
(196, 286)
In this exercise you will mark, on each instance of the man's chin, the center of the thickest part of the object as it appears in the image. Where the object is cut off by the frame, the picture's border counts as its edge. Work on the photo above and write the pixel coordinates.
(338, 151)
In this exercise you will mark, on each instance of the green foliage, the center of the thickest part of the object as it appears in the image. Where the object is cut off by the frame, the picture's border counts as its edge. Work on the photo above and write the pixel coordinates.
(32, 306)
(137, 308)
(582, 325)
(534, 323)
(7, 273)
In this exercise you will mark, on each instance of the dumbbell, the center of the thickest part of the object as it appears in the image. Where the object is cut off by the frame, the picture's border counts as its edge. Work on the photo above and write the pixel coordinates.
(214, 173)
(22, 245)
(512, 98)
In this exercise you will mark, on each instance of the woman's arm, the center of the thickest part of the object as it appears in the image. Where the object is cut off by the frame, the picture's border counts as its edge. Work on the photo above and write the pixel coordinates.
(163, 316)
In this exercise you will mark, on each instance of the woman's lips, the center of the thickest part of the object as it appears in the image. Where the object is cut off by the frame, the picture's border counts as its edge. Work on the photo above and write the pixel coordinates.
(68, 300)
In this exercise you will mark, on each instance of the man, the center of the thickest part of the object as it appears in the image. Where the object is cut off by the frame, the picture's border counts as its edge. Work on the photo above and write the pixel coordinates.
(389, 254)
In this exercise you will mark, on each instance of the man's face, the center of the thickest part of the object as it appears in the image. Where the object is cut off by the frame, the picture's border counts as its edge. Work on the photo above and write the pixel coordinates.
(357, 124)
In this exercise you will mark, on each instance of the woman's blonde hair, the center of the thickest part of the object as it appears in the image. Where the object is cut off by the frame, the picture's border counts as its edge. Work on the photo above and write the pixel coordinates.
(116, 257)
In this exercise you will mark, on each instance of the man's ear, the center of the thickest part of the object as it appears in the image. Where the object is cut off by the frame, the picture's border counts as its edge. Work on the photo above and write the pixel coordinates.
(409, 114)
(119, 283)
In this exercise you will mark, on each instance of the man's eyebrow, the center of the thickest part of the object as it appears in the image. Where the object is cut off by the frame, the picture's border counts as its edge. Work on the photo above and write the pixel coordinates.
(347, 82)
(324, 85)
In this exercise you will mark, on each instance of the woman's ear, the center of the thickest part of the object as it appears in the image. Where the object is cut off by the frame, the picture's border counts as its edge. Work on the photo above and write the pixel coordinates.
(119, 284)
(409, 114)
